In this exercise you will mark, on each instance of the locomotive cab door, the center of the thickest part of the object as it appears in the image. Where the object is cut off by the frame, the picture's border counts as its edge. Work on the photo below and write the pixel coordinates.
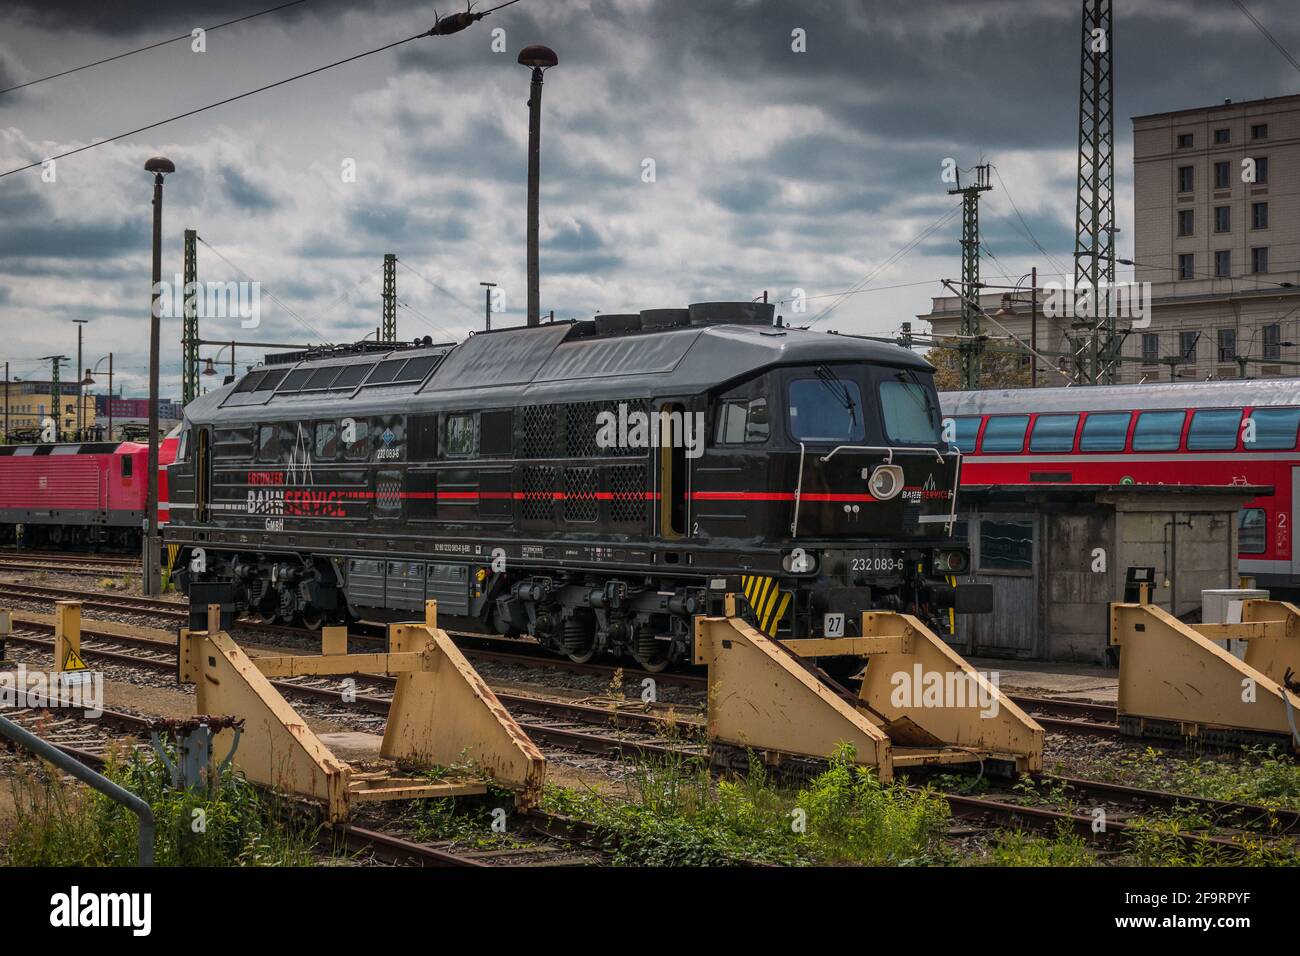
(676, 431)
(202, 473)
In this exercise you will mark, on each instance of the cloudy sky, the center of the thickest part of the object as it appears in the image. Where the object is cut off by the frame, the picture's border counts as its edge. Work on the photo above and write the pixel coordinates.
(772, 169)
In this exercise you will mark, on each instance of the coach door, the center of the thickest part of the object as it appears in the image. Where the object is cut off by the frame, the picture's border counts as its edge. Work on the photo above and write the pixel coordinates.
(1281, 530)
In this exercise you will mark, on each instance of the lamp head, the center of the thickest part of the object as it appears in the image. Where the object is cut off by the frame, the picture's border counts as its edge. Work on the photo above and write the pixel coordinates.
(538, 56)
(160, 164)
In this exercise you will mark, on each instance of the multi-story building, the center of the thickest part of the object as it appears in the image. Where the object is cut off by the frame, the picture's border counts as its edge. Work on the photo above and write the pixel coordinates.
(1216, 234)
(25, 404)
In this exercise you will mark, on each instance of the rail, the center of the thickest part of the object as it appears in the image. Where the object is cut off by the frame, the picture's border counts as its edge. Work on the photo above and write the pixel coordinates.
(47, 751)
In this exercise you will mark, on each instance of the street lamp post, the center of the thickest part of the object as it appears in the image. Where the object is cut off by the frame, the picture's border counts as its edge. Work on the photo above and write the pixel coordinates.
(152, 556)
(540, 58)
(90, 380)
(487, 304)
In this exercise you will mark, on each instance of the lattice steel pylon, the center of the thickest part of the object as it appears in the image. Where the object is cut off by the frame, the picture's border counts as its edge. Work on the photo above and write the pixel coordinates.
(190, 323)
(1094, 341)
(970, 343)
(389, 333)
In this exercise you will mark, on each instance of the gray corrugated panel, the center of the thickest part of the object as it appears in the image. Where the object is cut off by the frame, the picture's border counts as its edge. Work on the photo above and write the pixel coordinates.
(405, 585)
(365, 583)
(617, 355)
(448, 584)
(509, 357)
(1228, 393)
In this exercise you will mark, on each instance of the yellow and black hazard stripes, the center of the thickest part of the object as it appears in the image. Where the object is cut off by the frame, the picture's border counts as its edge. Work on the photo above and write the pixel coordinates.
(766, 599)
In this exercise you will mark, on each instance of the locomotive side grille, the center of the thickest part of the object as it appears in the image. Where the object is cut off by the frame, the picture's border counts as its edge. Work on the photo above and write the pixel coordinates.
(539, 483)
(580, 430)
(580, 502)
(537, 432)
(627, 486)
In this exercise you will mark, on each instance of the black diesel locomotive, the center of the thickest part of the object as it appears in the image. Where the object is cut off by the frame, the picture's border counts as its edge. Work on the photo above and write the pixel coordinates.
(594, 484)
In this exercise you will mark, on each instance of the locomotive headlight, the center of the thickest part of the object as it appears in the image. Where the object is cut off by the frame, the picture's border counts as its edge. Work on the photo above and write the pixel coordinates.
(951, 562)
(886, 482)
(799, 561)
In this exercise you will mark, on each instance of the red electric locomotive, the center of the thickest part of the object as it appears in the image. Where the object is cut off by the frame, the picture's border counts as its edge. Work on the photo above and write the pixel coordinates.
(1201, 433)
(88, 494)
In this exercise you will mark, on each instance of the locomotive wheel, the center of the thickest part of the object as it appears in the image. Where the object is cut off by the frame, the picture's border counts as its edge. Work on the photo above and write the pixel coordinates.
(654, 665)
(312, 618)
(579, 640)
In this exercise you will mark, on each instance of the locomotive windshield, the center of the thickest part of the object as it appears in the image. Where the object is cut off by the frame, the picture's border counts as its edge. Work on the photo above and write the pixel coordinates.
(825, 409)
(910, 411)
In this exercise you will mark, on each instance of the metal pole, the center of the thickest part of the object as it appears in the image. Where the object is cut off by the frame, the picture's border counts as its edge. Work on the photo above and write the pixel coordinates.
(47, 751)
(6, 434)
(80, 326)
(110, 396)
(1033, 325)
(152, 551)
(534, 173)
(487, 310)
(232, 358)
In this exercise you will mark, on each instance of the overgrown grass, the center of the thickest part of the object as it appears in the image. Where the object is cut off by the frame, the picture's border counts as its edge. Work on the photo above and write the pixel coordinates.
(62, 823)
(1015, 848)
(675, 814)
(1261, 776)
(1155, 842)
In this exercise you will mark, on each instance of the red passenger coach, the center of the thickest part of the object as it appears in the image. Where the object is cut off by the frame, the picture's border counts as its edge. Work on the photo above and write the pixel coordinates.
(1196, 433)
(73, 495)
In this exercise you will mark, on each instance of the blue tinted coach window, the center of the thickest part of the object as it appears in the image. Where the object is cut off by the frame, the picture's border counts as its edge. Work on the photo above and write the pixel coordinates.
(1053, 433)
(1104, 432)
(1214, 429)
(966, 429)
(1005, 433)
(1158, 431)
(1274, 428)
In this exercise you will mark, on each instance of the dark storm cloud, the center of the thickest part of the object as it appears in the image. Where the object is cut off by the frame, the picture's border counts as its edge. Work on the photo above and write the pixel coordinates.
(126, 17)
(244, 193)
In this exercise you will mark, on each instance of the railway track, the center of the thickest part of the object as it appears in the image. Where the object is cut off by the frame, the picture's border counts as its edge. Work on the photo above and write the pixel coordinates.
(67, 557)
(90, 740)
(1054, 714)
(559, 717)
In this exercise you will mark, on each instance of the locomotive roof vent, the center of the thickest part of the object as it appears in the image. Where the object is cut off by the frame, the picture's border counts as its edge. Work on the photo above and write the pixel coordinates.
(664, 318)
(614, 323)
(732, 313)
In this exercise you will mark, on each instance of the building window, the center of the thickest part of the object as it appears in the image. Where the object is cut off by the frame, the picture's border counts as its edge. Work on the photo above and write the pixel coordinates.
(1273, 341)
(1259, 259)
(1222, 176)
(1184, 179)
(1261, 170)
(1259, 215)
(1006, 544)
(1150, 348)
(1222, 136)
(1184, 140)
(1222, 218)
(1227, 345)
(1259, 131)
(1186, 265)
(1222, 263)
(1186, 219)
(1187, 347)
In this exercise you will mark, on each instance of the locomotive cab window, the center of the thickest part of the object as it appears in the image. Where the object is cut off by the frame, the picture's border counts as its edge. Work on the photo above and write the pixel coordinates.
(356, 439)
(268, 443)
(742, 421)
(128, 466)
(910, 411)
(827, 408)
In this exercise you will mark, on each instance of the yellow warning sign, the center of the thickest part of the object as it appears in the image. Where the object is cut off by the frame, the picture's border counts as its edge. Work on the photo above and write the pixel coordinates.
(73, 661)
